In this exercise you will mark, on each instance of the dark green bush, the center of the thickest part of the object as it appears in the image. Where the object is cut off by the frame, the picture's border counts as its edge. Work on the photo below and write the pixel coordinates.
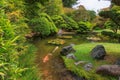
(110, 34)
(107, 33)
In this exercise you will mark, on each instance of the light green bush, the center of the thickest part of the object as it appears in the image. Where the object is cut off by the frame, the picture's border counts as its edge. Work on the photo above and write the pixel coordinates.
(59, 21)
(70, 24)
(84, 27)
(44, 25)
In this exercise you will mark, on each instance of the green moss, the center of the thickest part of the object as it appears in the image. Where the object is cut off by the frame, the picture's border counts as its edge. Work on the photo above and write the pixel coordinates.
(56, 42)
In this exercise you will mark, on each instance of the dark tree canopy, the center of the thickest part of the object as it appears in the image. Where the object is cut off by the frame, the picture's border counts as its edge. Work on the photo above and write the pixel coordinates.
(69, 3)
(117, 2)
(33, 1)
(112, 15)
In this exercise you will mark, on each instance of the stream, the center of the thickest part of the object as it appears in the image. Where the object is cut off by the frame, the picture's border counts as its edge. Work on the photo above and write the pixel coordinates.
(54, 68)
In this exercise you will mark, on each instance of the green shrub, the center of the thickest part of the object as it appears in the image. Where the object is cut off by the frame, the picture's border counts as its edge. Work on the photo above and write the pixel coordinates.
(109, 25)
(107, 33)
(59, 21)
(70, 23)
(83, 27)
(53, 28)
(41, 25)
(112, 36)
(44, 25)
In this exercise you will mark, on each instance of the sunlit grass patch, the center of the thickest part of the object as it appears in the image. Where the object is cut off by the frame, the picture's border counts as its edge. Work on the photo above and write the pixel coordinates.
(83, 50)
(83, 54)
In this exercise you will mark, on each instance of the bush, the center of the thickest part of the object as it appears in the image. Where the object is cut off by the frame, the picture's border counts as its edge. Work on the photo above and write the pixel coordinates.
(70, 23)
(53, 28)
(111, 35)
(44, 25)
(107, 33)
(109, 24)
(59, 21)
(41, 25)
(83, 27)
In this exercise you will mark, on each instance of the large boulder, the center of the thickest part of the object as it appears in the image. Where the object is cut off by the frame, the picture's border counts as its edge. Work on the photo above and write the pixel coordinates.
(98, 52)
(66, 50)
(113, 70)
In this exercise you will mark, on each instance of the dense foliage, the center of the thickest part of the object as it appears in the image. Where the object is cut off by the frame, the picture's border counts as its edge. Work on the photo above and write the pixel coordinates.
(59, 21)
(69, 3)
(84, 27)
(117, 2)
(111, 36)
(109, 25)
(70, 23)
(114, 16)
(44, 25)
(54, 7)
(13, 43)
(81, 14)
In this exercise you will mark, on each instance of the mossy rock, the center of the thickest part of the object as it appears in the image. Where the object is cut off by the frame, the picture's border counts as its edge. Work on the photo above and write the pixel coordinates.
(65, 37)
(56, 41)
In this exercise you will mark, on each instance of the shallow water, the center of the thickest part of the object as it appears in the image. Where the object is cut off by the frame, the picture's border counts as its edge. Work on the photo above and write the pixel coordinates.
(53, 68)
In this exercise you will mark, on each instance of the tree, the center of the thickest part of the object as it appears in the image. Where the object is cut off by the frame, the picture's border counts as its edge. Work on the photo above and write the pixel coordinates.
(54, 7)
(114, 15)
(109, 24)
(92, 14)
(34, 1)
(117, 2)
(69, 3)
(81, 14)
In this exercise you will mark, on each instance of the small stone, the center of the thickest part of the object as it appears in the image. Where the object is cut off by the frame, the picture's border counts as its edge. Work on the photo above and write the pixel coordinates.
(71, 56)
(88, 66)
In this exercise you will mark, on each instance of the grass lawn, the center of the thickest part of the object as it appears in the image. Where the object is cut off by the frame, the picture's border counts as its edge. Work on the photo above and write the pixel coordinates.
(83, 54)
